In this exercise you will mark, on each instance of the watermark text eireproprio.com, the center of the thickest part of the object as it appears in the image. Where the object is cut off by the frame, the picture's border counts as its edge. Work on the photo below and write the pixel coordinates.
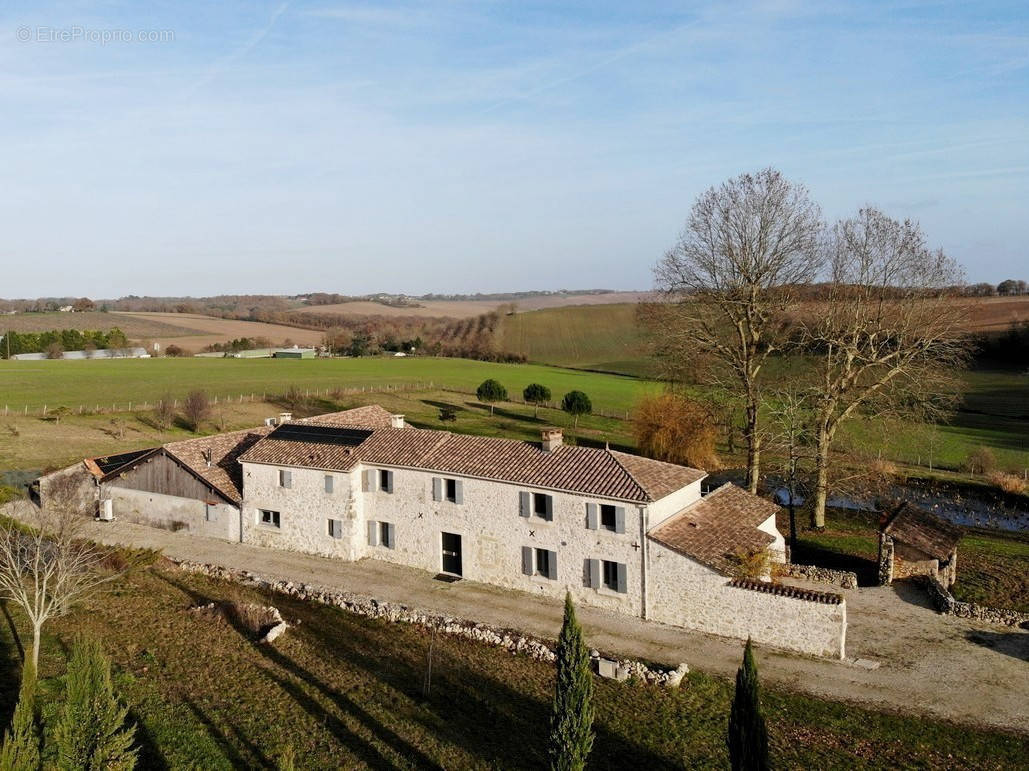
(76, 34)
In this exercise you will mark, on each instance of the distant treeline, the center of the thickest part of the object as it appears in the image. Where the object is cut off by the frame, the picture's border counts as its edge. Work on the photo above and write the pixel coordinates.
(1009, 348)
(62, 340)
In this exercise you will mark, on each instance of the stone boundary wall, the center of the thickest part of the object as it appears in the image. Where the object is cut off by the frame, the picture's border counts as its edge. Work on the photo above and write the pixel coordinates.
(845, 579)
(945, 603)
(509, 640)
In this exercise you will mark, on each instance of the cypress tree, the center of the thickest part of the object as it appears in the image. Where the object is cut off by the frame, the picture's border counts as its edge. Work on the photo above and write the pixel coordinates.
(748, 737)
(20, 751)
(91, 733)
(571, 722)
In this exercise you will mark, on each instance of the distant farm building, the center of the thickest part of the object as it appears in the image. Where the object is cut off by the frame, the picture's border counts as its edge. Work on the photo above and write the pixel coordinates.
(294, 353)
(100, 353)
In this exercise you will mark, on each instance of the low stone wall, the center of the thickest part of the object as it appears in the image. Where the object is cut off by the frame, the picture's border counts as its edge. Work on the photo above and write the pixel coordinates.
(945, 603)
(512, 641)
(844, 579)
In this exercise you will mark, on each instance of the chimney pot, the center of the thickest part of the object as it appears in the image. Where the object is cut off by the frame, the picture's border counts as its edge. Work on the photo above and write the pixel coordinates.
(552, 439)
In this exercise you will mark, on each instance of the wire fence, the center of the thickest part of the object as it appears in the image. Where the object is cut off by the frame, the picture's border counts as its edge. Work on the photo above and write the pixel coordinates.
(58, 410)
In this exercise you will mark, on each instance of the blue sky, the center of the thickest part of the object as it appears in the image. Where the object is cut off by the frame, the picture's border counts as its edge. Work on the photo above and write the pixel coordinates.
(484, 146)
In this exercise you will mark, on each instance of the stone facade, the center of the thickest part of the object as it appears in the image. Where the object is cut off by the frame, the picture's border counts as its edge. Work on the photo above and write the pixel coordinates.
(170, 512)
(691, 595)
(304, 509)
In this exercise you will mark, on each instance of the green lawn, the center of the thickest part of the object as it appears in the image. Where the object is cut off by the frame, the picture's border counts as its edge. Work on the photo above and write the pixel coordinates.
(91, 382)
(346, 692)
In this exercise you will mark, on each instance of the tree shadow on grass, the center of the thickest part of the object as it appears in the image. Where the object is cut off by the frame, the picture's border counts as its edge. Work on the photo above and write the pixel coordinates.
(362, 749)
(150, 756)
(810, 553)
(226, 746)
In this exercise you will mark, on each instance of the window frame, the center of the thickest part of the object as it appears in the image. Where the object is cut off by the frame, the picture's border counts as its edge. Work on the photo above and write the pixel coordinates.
(272, 522)
(449, 490)
(609, 569)
(542, 563)
(602, 524)
(286, 478)
(337, 525)
(386, 529)
(547, 502)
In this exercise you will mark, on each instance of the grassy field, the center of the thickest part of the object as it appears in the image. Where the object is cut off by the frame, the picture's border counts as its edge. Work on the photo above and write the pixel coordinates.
(32, 443)
(598, 337)
(73, 383)
(134, 327)
(993, 568)
(344, 691)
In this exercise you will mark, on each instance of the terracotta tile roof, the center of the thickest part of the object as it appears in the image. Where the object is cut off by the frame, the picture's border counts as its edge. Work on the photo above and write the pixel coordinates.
(713, 529)
(921, 529)
(372, 416)
(224, 473)
(784, 590)
(584, 470)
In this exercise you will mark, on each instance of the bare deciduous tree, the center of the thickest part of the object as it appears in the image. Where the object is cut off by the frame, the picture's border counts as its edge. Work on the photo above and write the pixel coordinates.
(196, 408)
(790, 438)
(46, 564)
(888, 335)
(745, 247)
(164, 412)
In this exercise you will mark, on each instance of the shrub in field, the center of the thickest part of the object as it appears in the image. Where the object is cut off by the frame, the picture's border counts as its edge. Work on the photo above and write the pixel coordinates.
(22, 741)
(980, 461)
(490, 392)
(91, 733)
(164, 412)
(536, 394)
(748, 737)
(673, 428)
(1009, 483)
(576, 403)
(196, 409)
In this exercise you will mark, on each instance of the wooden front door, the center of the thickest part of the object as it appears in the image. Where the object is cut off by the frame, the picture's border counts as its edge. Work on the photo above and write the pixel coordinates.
(452, 553)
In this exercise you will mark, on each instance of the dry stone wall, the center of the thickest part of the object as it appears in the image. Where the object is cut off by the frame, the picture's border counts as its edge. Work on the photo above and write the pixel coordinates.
(945, 603)
(845, 579)
(509, 640)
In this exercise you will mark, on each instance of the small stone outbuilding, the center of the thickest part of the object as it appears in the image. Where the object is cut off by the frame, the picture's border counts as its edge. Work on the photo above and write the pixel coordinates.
(915, 542)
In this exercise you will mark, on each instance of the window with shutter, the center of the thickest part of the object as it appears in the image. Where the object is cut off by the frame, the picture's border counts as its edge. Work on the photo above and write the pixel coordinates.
(386, 481)
(608, 517)
(524, 498)
(285, 478)
(328, 483)
(386, 534)
(543, 506)
(335, 528)
(614, 576)
(592, 520)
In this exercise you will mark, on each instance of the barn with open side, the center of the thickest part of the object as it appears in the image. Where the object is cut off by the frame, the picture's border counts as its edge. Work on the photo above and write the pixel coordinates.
(915, 542)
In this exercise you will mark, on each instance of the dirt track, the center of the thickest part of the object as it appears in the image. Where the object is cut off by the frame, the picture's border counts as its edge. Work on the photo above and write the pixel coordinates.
(911, 658)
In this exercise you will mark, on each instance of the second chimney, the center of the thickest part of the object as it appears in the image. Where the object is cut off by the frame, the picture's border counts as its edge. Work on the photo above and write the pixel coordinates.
(285, 417)
(552, 439)
(396, 421)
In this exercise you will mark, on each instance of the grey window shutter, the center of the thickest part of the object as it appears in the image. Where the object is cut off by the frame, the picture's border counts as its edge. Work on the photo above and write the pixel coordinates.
(549, 514)
(458, 491)
(593, 567)
(373, 533)
(328, 483)
(389, 482)
(619, 519)
(437, 489)
(552, 561)
(527, 560)
(335, 528)
(524, 503)
(621, 578)
(287, 478)
(391, 535)
(592, 521)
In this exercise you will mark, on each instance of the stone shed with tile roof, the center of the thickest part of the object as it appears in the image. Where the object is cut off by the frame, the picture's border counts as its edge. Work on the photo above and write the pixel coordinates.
(915, 542)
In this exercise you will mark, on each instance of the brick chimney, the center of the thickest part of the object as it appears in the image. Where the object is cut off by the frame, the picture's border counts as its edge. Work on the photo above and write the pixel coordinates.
(396, 421)
(552, 439)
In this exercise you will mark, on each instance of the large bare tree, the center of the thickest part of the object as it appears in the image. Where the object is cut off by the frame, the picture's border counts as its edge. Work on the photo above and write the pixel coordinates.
(887, 334)
(46, 563)
(733, 274)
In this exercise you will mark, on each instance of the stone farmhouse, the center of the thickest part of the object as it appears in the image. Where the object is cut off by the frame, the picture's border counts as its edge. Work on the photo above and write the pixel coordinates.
(618, 531)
